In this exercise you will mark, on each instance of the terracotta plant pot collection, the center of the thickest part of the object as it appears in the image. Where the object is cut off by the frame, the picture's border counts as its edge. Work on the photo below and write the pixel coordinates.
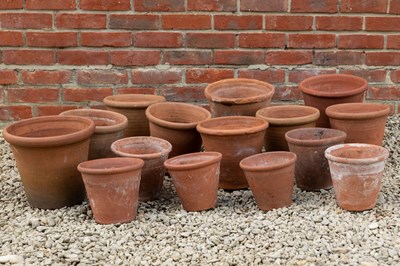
(123, 153)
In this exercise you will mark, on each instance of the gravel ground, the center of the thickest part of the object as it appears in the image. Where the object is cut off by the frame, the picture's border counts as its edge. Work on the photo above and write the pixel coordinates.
(313, 231)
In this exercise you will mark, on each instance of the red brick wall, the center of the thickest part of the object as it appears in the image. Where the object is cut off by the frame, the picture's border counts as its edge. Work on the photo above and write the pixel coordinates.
(61, 54)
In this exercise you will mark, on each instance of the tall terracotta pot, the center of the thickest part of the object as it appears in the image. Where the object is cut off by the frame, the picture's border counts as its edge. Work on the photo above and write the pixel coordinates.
(112, 186)
(363, 122)
(195, 177)
(176, 123)
(309, 144)
(47, 151)
(238, 96)
(284, 118)
(109, 127)
(235, 137)
(324, 90)
(356, 171)
(153, 151)
(133, 106)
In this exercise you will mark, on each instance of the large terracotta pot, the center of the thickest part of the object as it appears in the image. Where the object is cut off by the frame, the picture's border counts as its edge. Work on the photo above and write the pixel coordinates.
(153, 151)
(112, 186)
(324, 90)
(284, 118)
(236, 137)
(47, 151)
(309, 144)
(356, 171)
(176, 123)
(363, 122)
(109, 127)
(271, 178)
(238, 96)
(195, 177)
(133, 106)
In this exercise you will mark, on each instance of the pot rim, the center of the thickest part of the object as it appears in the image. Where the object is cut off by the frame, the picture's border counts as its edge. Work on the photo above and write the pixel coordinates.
(170, 165)
(121, 120)
(341, 136)
(130, 164)
(246, 167)
(175, 125)
(52, 141)
(290, 121)
(334, 111)
(210, 88)
(142, 100)
(382, 156)
(166, 145)
(202, 129)
(325, 78)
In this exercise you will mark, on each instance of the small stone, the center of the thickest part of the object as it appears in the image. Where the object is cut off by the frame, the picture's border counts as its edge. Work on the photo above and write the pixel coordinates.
(12, 259)
(373, 226)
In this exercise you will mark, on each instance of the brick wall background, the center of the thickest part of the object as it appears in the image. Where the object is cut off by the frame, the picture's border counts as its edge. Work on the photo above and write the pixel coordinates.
(62, 54)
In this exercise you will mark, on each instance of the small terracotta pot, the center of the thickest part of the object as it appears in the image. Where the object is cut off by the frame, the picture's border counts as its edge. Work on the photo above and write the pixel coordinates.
(176, 123)
(309, 144)
(133, 106)
(284, 118)
(47, 151)
(153, 151)
(109, 127)
(238, 96)
(271, 178)
(324, 90)
(363, 122)
(356, 171)
(195, 177)
(112, 186)
(236, 137)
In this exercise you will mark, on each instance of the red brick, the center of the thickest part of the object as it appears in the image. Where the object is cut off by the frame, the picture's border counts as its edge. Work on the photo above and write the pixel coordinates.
(46, 77)
(393, 42)
(29, 57)
(363, 6)
(15, 112)
(263, 6)
(134, 22)
(97, 77)
(238, 22)
(297, 76)
(160, 5)
(105, 5)
(26, 20)
(207, 75)
(183, 94)
(395, 76)
(155, 76)
(136, 90)
(312, 6)
(51, 5)
(211, 5)
(186, 22)
(86, 94)
(33, 95)
(382, 58)
(158, 39)
(337, 58)
(82, 57)
(210, 40)
(8, 77)
(287, 93)
(382, 23)
(383, 93)
(238, 57)
(262, 40)
(360, 41)
(312, 41)
(394, 7)
(81, 21)
(339, 23)
(101, 39)
(52, 39)
(11, 38)
(371, 75)
(11, 4)
(288, 57)
(188, 57)
(135, 58)
(287, 23)
(268, 75)
(54, 109)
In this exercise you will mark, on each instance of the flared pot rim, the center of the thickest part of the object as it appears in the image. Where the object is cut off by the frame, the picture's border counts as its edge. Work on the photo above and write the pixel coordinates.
(259, 125)
(246, 165)
(131, 100)
(206, 158)
(164, 151)
(115, 165)
(312, 116)
(339, 136)
(381, 154)
(357, 111)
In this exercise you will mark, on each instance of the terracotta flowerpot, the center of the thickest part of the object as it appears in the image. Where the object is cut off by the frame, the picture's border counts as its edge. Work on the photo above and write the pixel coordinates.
(109, 127)
(271, 178)
(309, 144)
(238, 96)
(133, 106)
(176, 123)
(363, 122)
(195, 177)
(284, 118)
(236, 137)
(47, 151)
(324, 90)
(112, 186)
(153, 151)
(356, 171)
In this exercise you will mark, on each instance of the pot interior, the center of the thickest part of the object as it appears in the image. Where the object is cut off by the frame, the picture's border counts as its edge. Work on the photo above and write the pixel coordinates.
(313, 134)
(232, 123)
(237, 91)
(269, 160)
(140, 146)
(99, 117)
(105, 164)
(179, 113)
(357, 152)
(286, 112)
(358, 108)
(133, 98)
(192, 159)
(333, 84)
